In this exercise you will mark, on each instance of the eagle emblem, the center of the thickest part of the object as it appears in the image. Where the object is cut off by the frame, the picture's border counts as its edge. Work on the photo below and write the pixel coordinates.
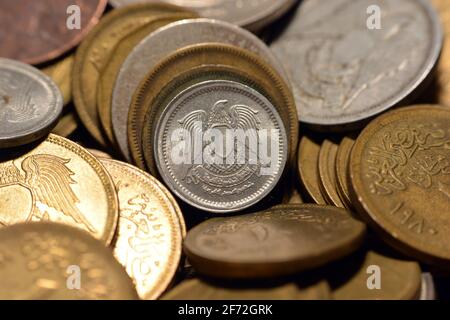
(48, 181)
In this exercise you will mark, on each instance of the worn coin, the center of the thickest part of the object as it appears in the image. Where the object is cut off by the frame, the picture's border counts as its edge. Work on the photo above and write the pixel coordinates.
(67, 125)
(283, 240)
(400, 174)
(252, 15)
(58, 181)
(94, 53)
(149, 238)
(217, 179)
(154, 48)
(39, 31)
(61, 73)
(196, 289)
(30, 104)
(327, 173)
(308, 168)
(41, 261)
(339, 66)
(342, 161)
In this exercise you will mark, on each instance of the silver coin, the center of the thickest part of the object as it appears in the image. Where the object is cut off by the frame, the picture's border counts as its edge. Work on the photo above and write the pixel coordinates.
(252, 15)
(343, 70)
(30, 104)
(163, 42)
(428, 291)
(225, 177)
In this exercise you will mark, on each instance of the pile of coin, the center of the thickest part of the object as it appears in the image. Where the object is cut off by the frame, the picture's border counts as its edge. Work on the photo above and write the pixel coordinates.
(224, 150)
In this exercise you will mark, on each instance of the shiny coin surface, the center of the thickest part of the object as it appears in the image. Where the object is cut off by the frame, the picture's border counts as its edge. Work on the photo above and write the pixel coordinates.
(196, 289)
(400, 173)
(149, 238)
(61, 74)
(100, 155)
(392, 279)
(58, 181)
(154, 48)
(282, 240)
(339, 68)
(38, 259)
(204, 156)
(327, 173)
(342, 161)
(27, 26)
(30, 104)
(252, 15)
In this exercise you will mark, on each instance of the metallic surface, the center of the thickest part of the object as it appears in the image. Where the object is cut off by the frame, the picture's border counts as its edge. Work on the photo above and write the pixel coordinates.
(327, 173)
(61, 73)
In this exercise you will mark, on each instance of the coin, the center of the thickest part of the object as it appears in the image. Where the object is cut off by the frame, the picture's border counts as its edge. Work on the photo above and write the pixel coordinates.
(58, 181)
(196, 289)
(220, 181)
(30, 104)
(283, 240)
(112, 67)
(339, 68)
(308, 159)
(66, 125)
(155, 48)
(94, 52)
(342, 161)
(327, 173)
(101, 155)
(399, 170)
(428, 291)
(253, 15)
(374, 276)
(296, 198)
(149, 238)
(61, 73)
(42, 261)
(29, 24)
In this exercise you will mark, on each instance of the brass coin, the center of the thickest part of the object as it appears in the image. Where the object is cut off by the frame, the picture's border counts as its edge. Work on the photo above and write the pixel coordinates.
(112, 67)
(327, 173)
(67, 125)
(196, 289)
(58, 181)
(93, 54)
(283, 240)
(149, 237)
(308, 159)
(400, 173)
(100, 155)
(398, 279)
(211, 54)
(41, 261)
(342, 161)
(61, 73)
(296, 198)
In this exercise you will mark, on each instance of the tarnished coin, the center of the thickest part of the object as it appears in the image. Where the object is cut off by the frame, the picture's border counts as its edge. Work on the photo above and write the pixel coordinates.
(38, 260)
(214, 148)
(283, 240)
(252, 15)
(30, 104)
(427, 291)
(327, 173)
(400, 173)
(342, 161)
(339, 66)
(95, 51)
(374, 276)
(61, 74)
(308, 168)
(196, 289)
(39, 31)
(154, 48)
(67, 125)
(149, 238)
(58, 181)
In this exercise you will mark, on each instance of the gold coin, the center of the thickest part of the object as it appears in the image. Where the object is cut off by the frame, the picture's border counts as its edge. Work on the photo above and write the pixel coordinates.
(342, 160)
(149, 237)
(58, 181)
(66, 125)
(400, 173)
(296, 198)
(99, 154)
(211, 54)
(308, 159)
(94, 52)
(61, 73)
(112, 67)
(327, 173)
(196, 289)
(51, 261)
(374, 276)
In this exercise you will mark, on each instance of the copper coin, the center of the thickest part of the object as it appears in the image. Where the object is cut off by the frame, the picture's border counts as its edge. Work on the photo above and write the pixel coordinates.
(38, 31)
